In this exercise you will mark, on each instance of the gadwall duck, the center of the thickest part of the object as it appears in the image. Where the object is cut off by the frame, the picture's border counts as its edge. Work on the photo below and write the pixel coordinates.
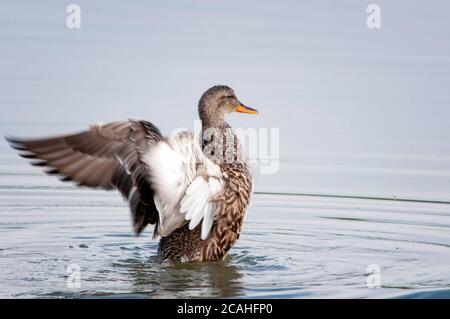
(195, 190)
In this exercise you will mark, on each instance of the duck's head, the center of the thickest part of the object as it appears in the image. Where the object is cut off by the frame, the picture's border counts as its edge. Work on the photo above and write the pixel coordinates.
(217, 102)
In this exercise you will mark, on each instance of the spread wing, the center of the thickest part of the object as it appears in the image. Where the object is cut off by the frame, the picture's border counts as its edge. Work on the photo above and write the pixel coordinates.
(106, 156)
(185, 183)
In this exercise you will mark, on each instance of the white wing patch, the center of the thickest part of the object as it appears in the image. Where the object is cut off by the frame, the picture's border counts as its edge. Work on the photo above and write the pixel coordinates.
(184, 181)
(196, 203)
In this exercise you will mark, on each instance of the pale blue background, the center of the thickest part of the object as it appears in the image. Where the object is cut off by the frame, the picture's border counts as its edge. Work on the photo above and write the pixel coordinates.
(360, 111)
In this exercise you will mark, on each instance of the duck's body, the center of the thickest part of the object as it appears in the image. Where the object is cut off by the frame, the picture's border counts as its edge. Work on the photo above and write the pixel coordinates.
(186, 245)
(196, 192)
(231, 203)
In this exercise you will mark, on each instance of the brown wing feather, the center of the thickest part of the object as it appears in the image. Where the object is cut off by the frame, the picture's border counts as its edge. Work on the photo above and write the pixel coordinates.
(106, 156)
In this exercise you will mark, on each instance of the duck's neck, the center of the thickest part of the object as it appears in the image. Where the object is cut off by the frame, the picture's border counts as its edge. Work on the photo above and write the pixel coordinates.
(214, 122)
(212, 129)
(220, 143)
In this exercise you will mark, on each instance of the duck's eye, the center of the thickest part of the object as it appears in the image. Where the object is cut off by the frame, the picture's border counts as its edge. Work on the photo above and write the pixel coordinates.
(229, 96)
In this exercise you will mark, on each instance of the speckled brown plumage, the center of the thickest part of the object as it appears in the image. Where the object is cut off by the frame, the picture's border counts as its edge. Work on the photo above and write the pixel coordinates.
(231, 204)
(185, 245)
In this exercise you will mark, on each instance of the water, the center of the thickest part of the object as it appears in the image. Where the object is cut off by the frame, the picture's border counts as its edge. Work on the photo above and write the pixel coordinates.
(292, 246)
(364, 167)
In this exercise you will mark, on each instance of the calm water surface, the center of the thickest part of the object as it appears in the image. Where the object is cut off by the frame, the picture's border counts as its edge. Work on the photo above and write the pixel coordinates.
(361, 113)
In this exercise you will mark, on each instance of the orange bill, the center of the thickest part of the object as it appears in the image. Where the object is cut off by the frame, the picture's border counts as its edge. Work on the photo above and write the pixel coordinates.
(241, 108)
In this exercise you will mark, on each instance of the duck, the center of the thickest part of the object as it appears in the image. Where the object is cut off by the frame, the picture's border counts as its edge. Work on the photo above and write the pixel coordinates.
(195, 190)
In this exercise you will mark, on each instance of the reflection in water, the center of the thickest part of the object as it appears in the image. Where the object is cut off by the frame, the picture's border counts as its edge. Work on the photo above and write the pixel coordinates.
(213, 279)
